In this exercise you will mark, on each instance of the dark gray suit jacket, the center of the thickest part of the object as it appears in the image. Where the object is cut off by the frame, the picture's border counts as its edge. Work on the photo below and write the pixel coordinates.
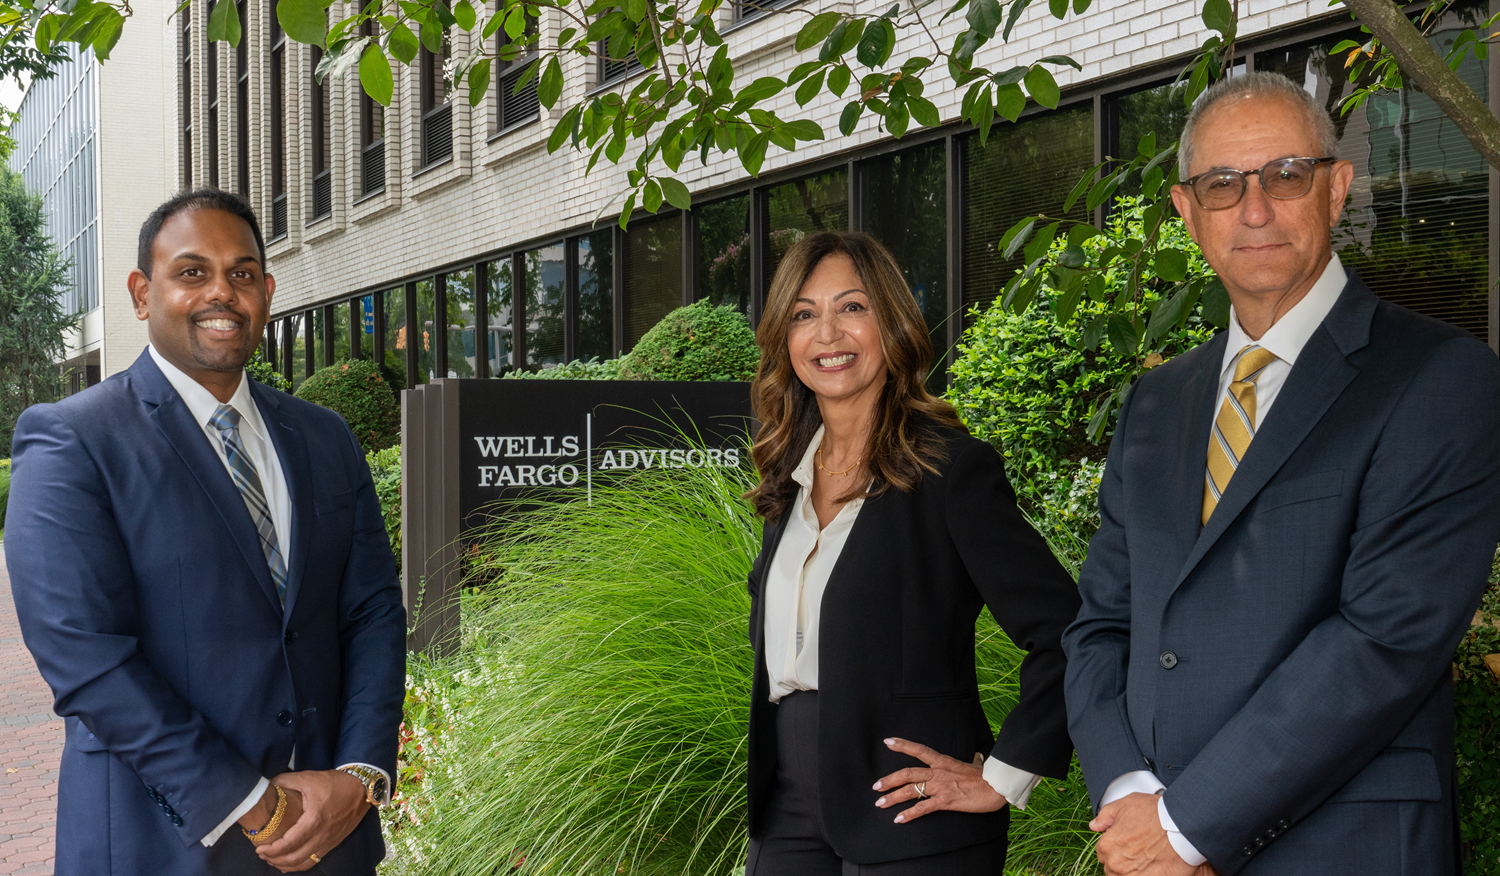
(1285, 670)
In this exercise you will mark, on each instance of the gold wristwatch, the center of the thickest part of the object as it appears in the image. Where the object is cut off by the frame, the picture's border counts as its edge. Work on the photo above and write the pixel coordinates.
(377, 787)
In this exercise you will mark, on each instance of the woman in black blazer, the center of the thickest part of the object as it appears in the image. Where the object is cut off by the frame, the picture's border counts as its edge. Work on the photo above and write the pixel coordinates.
(887, 529)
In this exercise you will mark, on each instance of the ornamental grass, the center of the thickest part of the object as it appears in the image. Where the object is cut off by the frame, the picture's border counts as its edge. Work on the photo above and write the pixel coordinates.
(593, 720)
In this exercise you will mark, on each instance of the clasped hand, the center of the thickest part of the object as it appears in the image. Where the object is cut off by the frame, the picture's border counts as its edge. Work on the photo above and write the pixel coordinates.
(1135, 844)
(323, 807)
(947, 783)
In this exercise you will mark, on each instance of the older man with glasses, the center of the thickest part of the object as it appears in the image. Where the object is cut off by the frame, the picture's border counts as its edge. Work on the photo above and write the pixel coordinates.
(1298, 519)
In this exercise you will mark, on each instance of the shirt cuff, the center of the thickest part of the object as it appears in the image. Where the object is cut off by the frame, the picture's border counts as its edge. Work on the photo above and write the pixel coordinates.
(389, 785)
(1015, 785)
(1185, 850)
(245, 806)
(1134, 782)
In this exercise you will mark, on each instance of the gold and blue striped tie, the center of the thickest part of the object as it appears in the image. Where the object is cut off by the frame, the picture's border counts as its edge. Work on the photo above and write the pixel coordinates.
(227, 421)
(1235, 426)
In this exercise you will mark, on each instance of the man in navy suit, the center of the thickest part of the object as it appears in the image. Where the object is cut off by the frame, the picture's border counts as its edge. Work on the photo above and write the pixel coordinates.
(201, 572)
(1298, 519)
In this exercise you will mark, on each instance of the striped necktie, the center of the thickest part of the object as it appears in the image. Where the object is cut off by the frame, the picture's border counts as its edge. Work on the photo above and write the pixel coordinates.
(227, 421)
(1235, 426)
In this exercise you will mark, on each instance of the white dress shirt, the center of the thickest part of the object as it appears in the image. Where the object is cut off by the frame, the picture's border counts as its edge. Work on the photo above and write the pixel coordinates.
(256, 442)
(1285, 338)
(794, 596)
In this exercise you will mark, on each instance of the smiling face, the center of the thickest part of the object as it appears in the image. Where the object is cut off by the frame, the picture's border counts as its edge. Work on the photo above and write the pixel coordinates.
(834, 335)
(1262, 247)
(208, 297)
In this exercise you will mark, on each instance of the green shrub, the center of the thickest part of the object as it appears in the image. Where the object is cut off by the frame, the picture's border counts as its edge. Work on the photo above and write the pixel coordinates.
(259, 369)
(696, 342)
(1030, 386)
(394, 371)
(594, 721)
(4, 492)
(578, 369)
(385, 469)
(355, 390)
(1476, 669)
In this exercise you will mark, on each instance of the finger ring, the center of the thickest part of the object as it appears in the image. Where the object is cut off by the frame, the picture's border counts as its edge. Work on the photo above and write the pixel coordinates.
(921, 791)
(315, 858)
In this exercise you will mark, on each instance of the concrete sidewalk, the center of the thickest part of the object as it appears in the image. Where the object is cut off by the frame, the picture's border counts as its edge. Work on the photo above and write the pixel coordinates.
(31, 741)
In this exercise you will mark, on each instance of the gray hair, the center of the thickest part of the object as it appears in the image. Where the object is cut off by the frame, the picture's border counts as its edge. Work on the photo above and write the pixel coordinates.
(1258, 84)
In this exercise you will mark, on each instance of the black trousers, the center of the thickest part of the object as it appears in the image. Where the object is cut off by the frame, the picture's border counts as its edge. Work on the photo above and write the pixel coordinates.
(794, 842)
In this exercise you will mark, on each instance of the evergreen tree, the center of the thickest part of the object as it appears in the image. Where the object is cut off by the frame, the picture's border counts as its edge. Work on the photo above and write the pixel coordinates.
(33, 275)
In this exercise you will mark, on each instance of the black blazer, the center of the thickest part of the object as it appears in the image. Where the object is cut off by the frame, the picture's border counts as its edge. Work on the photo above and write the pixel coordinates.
(896, 653)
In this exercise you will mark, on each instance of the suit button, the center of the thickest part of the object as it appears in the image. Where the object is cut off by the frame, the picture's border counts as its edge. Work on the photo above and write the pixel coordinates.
(284, 718)
(291, 636)
(1283, 824)
(1247, 852)
(1259, 843)
(177, 821)
(1168, 660)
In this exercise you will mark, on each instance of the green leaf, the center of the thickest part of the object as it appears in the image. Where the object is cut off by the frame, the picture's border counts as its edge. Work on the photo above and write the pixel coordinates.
(1216, 303)
(1081, 233)
(1061, 61)
(303, 20)
(1010, 77)
(1122, 334)
(1010, 102)
(565, 126)
(803, 70)
(1068, 303)
(720, 70)
(1171, 265)
(838, 80)
(850, 117)
(1016, 236)
(1218, 15)
(817, 30)
(46, 31)
(676, 193)
(1168, 313)
(1084, 182)
(1073, 256)
(754, 153)
(339, 60)
(984, 17)
(804, 129)
(1016, 8)
(761, 89)
(1147, 145)
(651, 197)
(549, 89)
(1093, 333)
(635, 10)
(1039, 246)
(830, 48)
(1042, 87)
(431, 35)
(109, 24)
(224, 23)
(402, 44)
(1081, 6)
(626, 210)
(809, 88)
(924, 111)
(876, 44)
(465, 15)
(896, 120)
(479, 80)
(1058, 8)
(851, 37)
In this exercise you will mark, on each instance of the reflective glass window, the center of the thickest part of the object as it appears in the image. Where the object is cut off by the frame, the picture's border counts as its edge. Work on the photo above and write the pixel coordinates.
(596, 298)
(653, 273)
(723, 252)
(546, 309)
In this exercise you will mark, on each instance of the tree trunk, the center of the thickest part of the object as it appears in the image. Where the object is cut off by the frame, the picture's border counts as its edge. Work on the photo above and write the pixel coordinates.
(1421, 64)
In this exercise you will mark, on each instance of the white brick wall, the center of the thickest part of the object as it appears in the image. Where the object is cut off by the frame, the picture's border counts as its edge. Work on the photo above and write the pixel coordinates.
(498, 193)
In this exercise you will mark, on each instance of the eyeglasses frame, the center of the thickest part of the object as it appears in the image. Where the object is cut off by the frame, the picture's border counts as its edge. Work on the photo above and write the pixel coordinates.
(1190, 182)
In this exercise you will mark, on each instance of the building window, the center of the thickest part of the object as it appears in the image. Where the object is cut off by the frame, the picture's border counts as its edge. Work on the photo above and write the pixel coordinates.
(1025, 168)
(744, 10)
(723, 252)
(187, 98)
(617, 60)
(322, 141)
(242, 106)
(460, 312)
(545, 307)
(437, 109)
(393, 309)
(425, 336)
(278, 125)
(513, 109)
(595, 332)
(801, 207)
(653, 273)
(212, 63)
(499, 307)
(1416, 225)
(904, 205)
(371, 138)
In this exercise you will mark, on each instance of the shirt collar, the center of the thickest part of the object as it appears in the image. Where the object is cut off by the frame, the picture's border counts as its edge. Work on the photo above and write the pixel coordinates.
(202, 404)
(1286, 338)
(803, 473)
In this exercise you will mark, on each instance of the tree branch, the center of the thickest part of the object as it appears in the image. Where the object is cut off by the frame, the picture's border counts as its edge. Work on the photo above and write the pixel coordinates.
(1422, 64)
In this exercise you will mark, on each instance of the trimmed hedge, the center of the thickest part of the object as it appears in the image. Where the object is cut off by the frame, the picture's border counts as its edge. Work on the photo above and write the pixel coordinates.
(696, 342)
(579, 369)
(259, 369)
(354, 389)
(4, 491)
(1476, 673)
(385, 470)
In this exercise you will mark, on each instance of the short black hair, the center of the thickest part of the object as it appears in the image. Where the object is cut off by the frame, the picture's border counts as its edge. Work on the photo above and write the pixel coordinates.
(201, 199)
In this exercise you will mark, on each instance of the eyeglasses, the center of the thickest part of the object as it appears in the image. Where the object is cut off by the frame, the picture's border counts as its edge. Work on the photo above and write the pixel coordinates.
(1282, 179)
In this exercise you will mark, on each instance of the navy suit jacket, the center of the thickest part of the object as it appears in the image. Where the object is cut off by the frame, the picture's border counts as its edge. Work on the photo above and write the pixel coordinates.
(145, 598)
(1285, 671)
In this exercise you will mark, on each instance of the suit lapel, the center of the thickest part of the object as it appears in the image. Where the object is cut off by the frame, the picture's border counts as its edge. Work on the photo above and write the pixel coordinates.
(1321, 374)
(1200, 394)
(291, 449)
(176, 424)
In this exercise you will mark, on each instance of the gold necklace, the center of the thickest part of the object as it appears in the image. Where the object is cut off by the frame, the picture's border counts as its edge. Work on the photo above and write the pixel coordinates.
(857, 461)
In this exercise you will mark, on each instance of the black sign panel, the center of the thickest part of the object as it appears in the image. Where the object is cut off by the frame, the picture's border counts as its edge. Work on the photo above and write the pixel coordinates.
(556, 439)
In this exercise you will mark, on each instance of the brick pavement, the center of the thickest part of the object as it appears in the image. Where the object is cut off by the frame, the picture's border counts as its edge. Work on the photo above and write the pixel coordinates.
(31, 740)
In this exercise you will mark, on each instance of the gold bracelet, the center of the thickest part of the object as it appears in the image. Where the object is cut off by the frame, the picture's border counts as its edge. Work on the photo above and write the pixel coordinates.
(267, 833)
